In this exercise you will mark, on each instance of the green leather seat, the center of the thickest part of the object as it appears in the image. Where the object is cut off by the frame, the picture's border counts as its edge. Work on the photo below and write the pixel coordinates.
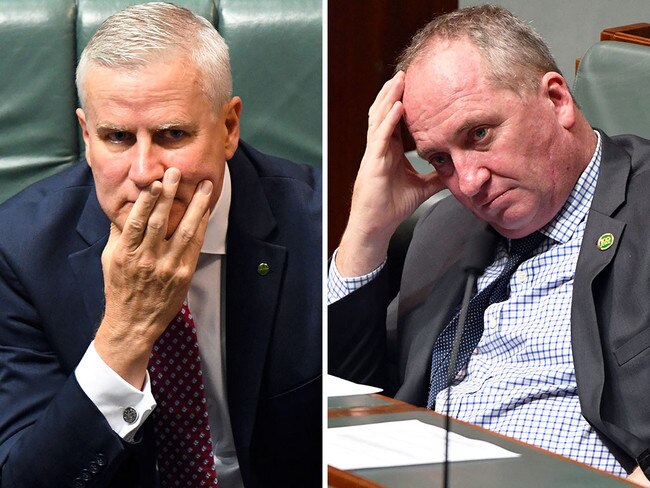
(38, 134)
(276, 61)
(612, 87)
(276, 58)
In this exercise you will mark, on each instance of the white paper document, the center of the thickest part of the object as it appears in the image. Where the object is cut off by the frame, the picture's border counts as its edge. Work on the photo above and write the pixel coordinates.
(402, 443)
(335, 387)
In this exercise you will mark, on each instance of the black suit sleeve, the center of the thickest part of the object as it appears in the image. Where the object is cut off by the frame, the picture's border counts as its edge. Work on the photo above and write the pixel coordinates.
(51, 434)
(357, 333)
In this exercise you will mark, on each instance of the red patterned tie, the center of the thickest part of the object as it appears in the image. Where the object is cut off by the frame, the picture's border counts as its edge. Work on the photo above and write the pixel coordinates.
(181, 419)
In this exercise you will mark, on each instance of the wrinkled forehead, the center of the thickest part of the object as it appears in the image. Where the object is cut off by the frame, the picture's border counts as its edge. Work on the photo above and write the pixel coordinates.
(446, 71)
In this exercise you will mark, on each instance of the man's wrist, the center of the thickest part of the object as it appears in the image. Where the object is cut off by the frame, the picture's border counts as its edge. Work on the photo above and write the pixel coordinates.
(127, 354)
(358, 257)
(124, 406)
(339, 287)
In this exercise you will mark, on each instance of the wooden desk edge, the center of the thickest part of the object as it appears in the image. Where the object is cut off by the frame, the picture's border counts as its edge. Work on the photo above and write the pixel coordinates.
(398, 407)
(345, 479)
(394, 407)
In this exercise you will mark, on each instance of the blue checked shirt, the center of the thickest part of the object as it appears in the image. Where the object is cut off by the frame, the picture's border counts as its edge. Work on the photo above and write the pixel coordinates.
(520, 381)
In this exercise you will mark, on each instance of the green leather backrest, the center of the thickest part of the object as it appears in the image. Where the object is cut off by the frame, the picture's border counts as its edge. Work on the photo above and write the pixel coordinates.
(275, 48)
(38, 134)
(612, 87)
(275, 53)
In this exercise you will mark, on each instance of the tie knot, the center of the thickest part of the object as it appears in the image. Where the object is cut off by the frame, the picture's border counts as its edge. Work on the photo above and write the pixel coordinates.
(525, 246)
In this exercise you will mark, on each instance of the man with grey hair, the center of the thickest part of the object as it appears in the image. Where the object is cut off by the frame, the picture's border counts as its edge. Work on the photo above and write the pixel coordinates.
(107, 378)
(554, 350)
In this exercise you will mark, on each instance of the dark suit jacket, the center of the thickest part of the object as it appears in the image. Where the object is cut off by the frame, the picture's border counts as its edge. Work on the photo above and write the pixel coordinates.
(379, 338)
(51, 302)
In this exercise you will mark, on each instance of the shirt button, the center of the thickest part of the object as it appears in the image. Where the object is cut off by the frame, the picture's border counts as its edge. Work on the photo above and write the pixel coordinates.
(93, 467)
(492, 323)
(521, 277)
(130, 415)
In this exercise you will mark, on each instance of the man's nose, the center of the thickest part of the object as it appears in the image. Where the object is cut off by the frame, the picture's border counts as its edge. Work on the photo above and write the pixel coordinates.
(471, 176)
(146, 166)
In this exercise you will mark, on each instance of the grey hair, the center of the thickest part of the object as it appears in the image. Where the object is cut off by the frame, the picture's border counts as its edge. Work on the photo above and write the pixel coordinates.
(146, 33)
(515, 55)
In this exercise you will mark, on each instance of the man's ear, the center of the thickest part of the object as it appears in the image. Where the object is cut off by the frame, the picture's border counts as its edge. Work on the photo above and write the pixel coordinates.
(557, 91)
(232, 111)
(81, 117)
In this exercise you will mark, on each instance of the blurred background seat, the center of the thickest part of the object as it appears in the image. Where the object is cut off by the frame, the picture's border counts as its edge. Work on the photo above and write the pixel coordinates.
(276, 58)
(612, 87)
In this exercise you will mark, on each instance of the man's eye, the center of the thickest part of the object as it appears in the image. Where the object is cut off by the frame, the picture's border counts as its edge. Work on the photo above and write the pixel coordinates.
(440, 160)
(174, 134)
(480, 133)
(119, 137)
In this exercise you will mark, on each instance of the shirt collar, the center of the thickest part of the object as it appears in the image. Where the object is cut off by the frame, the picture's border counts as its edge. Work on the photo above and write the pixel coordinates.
(215, 235)
(575, 209)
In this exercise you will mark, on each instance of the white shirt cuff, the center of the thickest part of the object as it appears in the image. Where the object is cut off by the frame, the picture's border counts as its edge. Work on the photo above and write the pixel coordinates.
(339, 287)
(124, 406)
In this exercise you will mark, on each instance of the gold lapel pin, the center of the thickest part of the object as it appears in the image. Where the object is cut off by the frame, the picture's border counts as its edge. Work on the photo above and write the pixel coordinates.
(605, 241)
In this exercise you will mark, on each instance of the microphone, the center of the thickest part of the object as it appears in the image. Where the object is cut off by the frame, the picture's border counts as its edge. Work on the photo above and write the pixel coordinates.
(478, 254)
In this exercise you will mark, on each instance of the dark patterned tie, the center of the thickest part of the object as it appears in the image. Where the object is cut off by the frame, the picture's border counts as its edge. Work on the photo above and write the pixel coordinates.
(183, 437)
(497, 291)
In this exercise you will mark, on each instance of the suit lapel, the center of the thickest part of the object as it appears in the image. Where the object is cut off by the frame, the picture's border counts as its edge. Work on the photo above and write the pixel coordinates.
(251, 295)
(417, 343)
(86, 266)
(587, 349)
(432, 287)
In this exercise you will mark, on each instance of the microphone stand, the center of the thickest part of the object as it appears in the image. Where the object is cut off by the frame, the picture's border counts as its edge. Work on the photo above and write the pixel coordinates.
(479, 253)
(469, 288)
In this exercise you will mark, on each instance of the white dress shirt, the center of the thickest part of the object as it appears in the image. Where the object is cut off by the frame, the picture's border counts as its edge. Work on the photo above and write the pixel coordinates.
(112, 395)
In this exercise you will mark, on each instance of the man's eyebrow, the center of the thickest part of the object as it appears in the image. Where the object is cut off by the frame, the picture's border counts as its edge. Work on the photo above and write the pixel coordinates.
(104, 127)
(469, 124)
(108, 127)
(458, 133)
(425, 154)
(178, 124)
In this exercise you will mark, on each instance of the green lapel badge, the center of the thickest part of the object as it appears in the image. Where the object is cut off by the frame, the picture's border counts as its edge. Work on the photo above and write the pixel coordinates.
(605, 241)
(263, 269)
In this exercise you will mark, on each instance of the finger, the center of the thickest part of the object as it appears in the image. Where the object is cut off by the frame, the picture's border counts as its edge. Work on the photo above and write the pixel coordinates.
(113, 239)
(156, 228)
(386, 93)
(196, 244)
(136, 222)
(190, 231)
(380, 139)
(390, 93)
